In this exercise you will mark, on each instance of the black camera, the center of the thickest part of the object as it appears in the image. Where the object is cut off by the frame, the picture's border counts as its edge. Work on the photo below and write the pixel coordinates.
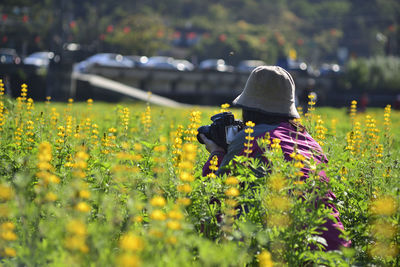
(222, 130)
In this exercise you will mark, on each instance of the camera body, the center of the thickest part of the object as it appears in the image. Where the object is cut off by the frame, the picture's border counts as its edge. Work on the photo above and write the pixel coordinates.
(222, 130)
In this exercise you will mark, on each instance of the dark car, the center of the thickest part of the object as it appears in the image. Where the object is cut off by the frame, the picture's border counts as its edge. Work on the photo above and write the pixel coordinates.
(104, 59)
(249, 65)
(39, 59)
(9, 56)
(215, 64)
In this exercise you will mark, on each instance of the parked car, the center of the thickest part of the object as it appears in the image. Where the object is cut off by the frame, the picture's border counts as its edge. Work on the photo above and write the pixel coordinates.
(183, 65)
(249, 65)
(39, 59)
(9, 56)
(215, 64)
(104, 59)
(138, 61)
(160, 62)
(163, 62)
(329, 69)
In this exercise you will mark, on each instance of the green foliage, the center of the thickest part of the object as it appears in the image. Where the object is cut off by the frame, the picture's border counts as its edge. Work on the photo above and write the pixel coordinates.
(105, 165)
(313, 28)
(378, 73)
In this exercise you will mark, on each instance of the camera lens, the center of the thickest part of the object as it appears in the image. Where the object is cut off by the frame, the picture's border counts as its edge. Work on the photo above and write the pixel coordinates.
(203, 130)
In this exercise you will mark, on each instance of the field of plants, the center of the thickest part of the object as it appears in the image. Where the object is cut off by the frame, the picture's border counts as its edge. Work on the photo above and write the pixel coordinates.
(98, 184)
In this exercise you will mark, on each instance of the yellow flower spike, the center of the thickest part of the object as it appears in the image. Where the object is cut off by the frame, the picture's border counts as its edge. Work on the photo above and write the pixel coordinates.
(184, 201)
(383, 250)
(8, 236)
(382, 229)
(84, 194)
(9, 252)
(231, 202)
(184, 188)
(76, 227)
(298, 165)
(265, 259)
(174, 225)
(131, 242)
(158, 201)
(7, 226)
(385, 205)
(231, 181)
(186, 177)
(232, 192)
(137, 147)
(75, 242)
(6, 192)
(128, 260)
(82, 207)
(51, 197)
(175, 214)
(186, 165)
(280, 203)
(158, 215)
(277, 182)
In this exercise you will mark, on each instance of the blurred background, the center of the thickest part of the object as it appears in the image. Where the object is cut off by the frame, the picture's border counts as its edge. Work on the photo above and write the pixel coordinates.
(201, 52)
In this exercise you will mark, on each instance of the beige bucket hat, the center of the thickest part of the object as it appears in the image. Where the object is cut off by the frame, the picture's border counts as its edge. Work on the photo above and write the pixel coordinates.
(269, 89)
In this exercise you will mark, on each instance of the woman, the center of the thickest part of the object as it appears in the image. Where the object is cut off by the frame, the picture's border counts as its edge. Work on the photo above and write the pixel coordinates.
(268, 100)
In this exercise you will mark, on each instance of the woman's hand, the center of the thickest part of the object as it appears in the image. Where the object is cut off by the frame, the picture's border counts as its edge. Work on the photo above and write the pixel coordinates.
(211, 146)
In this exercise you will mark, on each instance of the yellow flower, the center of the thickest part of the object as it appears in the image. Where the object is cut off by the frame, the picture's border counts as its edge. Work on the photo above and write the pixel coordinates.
(128, 260)
(280, 203)
(7, 226)
(384, 206)
(82, 207)
(175, 214)
(184, 201)
(186, 177)
(174, 225)
(8, 236)
(76, 227)
(211, 175)
(384, 250)
(158, 215)
(186, 165)
(248, 130)
(277, 182)
(137, 147)
(158, 201)
(185, 188)
(51, 197)
(84, 194)
(231, 202)
(298, 165)
(250, 124)
(264, 259)
(278, 220)
(131, 242)
(232, 192)
(161, 148)
(4, 210)
(6, 192)
(74, 242)
(9, 252)
(383, 229)
(172, 240)
(231, 181)
(137, 219)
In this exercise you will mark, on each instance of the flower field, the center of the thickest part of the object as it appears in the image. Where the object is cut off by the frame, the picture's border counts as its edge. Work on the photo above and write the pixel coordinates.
(96, 184)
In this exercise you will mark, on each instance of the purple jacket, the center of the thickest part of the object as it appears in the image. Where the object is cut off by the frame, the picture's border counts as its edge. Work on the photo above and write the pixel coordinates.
(306, 146)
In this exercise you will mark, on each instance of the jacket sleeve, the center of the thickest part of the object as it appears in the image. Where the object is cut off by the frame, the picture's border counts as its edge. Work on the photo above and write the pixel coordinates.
(206, 168)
